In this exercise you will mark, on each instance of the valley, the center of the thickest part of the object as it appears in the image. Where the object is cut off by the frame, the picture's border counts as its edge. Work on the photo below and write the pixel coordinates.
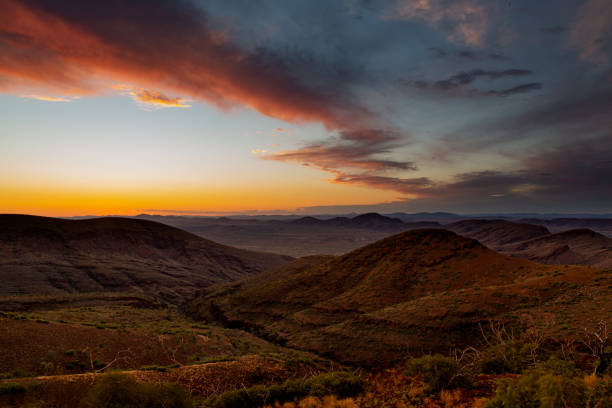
(425, 317)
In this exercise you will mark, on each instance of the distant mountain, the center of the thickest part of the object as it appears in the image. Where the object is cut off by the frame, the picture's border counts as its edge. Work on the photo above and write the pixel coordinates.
(575, 247)
(50, 255)
(301, 236)
(601, 225)
(536, 243)
(371, 221)
(497, 233)
(418, 291)
(442, 217)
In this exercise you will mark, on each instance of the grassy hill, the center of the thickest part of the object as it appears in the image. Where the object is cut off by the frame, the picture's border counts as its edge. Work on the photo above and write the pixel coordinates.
(418, 291)
(40, 255)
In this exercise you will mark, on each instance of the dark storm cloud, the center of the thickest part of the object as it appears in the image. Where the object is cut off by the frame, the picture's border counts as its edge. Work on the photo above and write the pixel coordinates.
(551, 179)
(577, 118)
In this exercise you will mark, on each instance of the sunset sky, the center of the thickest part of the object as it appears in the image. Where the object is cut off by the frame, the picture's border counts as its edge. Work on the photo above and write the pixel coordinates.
(206, 107)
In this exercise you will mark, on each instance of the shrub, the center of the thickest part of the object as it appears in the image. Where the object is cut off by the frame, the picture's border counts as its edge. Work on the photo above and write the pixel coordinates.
(122, 391)
(600, 393)
(341, 384)
(10, 388)
(508, 357)
(161, 369)
(438, 372)
(539, 388)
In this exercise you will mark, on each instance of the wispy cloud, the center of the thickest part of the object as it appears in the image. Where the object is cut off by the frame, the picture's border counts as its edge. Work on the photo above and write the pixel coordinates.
(590, 31)
(460, 81)
(355, 149)
(47, 98)
(532, 86)
(465, 21)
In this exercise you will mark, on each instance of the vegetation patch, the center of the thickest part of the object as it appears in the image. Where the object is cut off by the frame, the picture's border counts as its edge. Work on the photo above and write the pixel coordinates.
(340, 384)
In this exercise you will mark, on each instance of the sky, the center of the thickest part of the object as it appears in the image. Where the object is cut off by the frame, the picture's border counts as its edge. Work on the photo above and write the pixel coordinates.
(321, 106)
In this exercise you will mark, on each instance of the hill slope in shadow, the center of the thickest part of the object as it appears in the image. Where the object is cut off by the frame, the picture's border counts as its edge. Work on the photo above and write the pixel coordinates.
(42, 255)
(536, 243)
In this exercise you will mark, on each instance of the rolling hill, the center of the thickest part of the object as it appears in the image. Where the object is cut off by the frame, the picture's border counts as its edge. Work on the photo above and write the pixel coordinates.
(42, 255)
(497, 233)
(575, 247)
(418, 291)
(536, 243)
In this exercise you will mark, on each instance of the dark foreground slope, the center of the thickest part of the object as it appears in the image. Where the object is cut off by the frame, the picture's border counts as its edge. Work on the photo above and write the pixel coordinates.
(40, 255)
(418, 291)
(536, 243)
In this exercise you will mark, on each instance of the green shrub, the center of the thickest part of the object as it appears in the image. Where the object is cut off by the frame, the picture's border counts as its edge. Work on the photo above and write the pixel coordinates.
(10, 388)
(438, 372)
(600, 395)
(540, 388)
(341, 384)
(509, 357)
(122, 391)
(160, 369)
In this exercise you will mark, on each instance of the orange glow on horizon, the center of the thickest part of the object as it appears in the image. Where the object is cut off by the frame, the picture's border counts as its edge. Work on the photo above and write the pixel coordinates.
(57, 202)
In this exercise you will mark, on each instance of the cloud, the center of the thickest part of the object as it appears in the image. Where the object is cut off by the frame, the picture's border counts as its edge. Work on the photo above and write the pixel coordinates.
(464, 78)
(558, 29)
(590, 31)
(478, 56)
(532, 86)
(355, 149)
(472, 55)
(459, 81)
(541, 180)
(47, 98)
(569, 118)
(75, 48)
(465, 21)
(280, 130)
(156, 99)
(407, 186)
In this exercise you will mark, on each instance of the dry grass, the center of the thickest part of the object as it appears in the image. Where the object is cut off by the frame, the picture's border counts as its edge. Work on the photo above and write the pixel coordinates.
(63, 341)
(314, 402)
